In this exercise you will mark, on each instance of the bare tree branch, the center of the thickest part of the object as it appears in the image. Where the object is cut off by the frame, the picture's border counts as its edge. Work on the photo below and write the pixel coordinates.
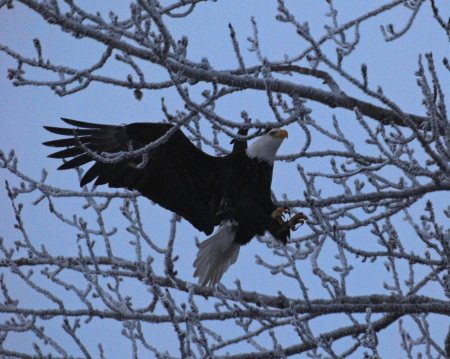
(373, 182)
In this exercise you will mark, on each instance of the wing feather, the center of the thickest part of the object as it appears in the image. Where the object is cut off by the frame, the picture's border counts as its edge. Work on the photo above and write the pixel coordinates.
(177, 175)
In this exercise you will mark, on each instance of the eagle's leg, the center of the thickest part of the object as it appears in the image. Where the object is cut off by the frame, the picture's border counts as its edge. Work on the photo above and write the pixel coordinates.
(278, 214)
(298, 218)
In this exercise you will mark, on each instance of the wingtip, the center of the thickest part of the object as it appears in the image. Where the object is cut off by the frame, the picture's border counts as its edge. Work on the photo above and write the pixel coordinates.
(66, 166)
(55, 130)
(71, 122)
(82, 124)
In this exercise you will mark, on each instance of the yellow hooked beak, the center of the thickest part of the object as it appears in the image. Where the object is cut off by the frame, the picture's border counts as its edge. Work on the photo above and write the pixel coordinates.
(282, 134)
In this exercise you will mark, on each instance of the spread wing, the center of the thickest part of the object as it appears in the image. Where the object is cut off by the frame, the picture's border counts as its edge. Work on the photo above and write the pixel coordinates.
(176, 174)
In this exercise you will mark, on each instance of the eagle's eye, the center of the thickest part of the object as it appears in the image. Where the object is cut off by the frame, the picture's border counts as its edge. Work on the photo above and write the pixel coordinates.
(278, 133)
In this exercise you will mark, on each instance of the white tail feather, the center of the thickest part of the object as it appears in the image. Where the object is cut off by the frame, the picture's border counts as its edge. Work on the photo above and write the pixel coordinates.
(215, 255)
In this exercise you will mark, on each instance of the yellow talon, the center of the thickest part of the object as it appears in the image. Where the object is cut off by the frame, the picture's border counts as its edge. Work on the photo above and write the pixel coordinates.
(298, 218)
(278, 214)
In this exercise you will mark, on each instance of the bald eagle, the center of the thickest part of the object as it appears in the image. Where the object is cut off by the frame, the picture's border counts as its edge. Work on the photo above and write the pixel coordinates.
(232, 192)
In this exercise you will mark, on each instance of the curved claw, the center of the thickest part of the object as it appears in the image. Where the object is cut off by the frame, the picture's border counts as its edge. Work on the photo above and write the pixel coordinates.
(298, 218)
(278, 214)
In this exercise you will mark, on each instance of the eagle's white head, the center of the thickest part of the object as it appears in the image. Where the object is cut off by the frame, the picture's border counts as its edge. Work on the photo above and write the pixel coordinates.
(265, 148)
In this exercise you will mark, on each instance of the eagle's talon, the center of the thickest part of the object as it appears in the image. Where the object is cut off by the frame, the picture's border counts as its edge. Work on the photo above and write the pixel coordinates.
(298, 218)
(279, 213)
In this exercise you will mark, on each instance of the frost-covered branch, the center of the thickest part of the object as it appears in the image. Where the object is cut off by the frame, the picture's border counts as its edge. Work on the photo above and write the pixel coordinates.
(372, 176)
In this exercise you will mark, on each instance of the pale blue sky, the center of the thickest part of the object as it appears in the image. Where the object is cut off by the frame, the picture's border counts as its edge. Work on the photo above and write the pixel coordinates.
(24, 110)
